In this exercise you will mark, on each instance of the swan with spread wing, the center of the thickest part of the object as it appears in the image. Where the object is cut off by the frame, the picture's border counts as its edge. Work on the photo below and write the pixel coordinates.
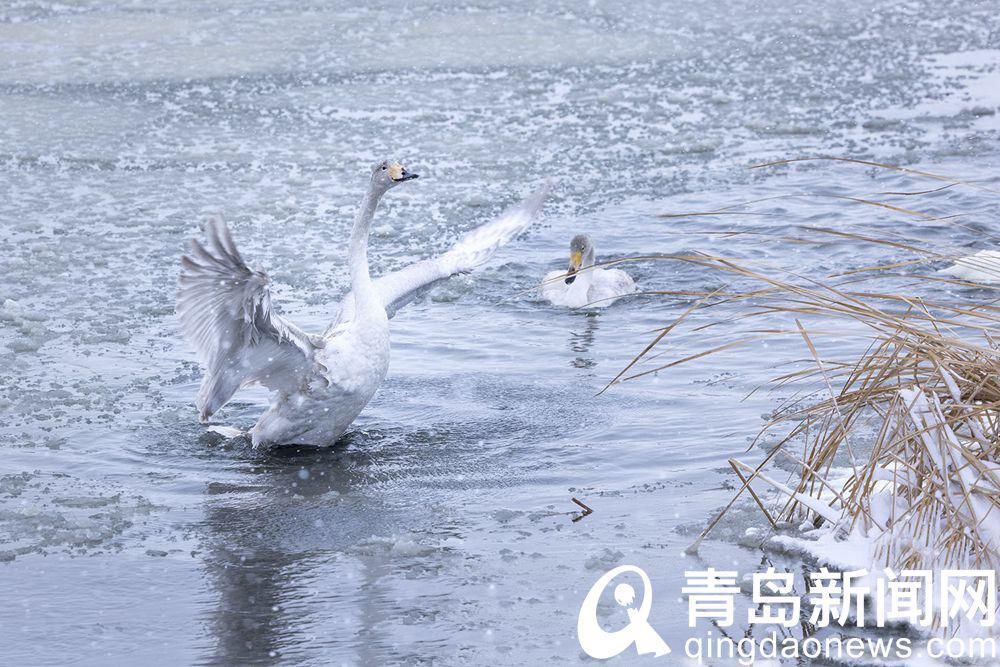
(319, 382)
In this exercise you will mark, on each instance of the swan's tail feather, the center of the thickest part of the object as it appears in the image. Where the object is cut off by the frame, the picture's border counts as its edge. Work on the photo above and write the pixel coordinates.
(228, 432)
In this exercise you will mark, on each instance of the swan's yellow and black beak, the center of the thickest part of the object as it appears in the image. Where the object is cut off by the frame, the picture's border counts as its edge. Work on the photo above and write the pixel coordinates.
(575, 260)
(398, 173)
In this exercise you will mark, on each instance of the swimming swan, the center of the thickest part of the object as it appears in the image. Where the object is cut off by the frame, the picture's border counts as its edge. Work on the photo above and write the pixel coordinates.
(585, 284)
(982, 267)
(320, 383)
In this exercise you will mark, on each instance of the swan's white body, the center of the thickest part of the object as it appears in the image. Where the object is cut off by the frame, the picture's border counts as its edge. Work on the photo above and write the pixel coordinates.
(604, 287)
(982, 267)
(320, 383)
(584, 284)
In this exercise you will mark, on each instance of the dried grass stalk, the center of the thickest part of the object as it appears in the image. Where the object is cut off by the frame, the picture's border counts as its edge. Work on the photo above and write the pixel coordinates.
(925, 488)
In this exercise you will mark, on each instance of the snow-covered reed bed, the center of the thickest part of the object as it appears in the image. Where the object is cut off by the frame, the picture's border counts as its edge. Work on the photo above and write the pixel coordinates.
(889, 459)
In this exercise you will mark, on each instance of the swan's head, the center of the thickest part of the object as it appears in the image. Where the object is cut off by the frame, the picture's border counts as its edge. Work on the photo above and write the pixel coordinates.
(581, 254)
(390, 173)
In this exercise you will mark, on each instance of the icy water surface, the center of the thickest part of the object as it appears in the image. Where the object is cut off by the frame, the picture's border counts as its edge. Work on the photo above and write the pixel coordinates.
(439, 530)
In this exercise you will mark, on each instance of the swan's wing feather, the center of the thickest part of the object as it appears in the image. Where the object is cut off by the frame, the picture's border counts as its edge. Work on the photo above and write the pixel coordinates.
(982, 267)
(407, 284)
(401, 287)
(610, 285)
(622, 282)
(226, 313)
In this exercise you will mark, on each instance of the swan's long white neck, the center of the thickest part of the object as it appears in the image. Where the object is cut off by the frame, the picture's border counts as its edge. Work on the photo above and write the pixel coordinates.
(361, 280)
(585, 276)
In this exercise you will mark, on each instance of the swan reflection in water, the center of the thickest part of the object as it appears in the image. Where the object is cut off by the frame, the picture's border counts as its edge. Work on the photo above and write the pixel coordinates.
(274, 538)
(581, 339)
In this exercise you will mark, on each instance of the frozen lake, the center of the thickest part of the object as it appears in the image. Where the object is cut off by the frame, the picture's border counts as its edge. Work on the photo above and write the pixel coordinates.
(439, 530)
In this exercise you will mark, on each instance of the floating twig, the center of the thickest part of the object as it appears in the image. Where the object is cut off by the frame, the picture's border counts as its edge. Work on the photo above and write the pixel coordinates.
(586, 510)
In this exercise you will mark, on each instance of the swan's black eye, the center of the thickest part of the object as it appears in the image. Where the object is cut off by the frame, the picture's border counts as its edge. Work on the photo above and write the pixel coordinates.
(383, 167)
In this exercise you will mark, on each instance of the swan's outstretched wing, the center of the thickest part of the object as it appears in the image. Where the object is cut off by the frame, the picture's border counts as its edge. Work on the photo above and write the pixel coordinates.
(226, 313)
(399, 288)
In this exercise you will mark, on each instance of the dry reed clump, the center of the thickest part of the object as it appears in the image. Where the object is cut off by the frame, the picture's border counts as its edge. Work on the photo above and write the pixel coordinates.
(924, 490)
